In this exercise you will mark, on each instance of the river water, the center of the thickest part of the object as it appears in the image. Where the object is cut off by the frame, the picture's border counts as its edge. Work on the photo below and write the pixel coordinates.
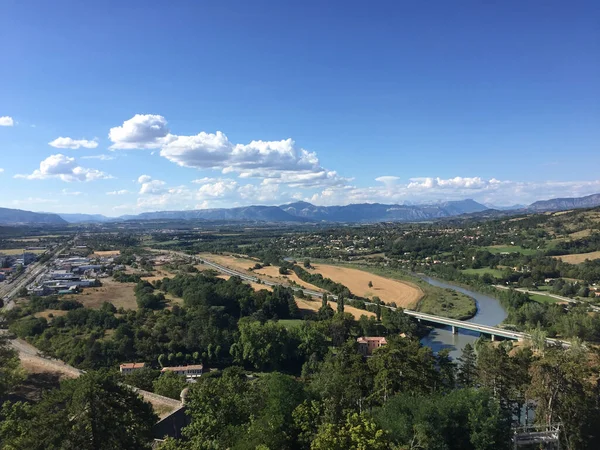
(489, 312)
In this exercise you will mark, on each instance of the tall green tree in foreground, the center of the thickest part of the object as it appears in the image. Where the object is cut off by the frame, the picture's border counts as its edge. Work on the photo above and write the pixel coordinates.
(92, 412)
(10, 370)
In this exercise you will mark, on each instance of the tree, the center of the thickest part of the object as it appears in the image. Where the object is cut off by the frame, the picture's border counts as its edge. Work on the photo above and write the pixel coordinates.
(93, 412)
(11, 372)
(263, 346)
(272, 426)
(467, 368)
(307, 263)
(142, 378)
(169, 384)
(562, 387)
(283, 271)
(324, 300)
(340, 304)
(370, 284)
(343, 382)
(358, 432)
(463, 419)
(220, 406)
(402, 365)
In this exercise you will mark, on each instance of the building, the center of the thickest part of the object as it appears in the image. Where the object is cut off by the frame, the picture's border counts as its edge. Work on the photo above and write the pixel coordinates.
(131, 367)
(193, 371)
(368, 344)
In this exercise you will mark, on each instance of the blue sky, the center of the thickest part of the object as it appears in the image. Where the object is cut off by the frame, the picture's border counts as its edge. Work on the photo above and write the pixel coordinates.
(190, 104)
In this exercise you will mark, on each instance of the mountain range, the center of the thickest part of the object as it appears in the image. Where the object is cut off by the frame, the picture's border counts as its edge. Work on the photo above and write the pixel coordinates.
(561, 204)
(307, 212)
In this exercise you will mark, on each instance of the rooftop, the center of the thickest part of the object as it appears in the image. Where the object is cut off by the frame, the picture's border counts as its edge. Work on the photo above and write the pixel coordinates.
(132, 365)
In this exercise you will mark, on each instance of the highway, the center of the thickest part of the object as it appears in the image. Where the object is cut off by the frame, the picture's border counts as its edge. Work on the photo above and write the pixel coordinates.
(484, 329)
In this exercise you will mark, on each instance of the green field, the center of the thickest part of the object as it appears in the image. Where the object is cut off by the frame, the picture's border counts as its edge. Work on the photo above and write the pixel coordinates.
(290, 323)
(540, 298)
(493, 272)
(510, 249)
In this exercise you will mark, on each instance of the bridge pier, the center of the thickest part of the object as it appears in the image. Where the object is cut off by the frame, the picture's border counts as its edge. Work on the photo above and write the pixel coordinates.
(454, 330)
(493, 337)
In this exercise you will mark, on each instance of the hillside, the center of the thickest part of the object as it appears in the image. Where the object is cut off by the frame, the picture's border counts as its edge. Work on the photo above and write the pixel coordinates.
(10, 216)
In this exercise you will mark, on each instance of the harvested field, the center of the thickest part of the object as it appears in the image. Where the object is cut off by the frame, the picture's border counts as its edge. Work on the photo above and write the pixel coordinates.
(273, 273)
(159, 275)
(233, 262)
(107, 254)
(580, 234)
(19, 251)
(119, 294)
(404, 294)
(54, 312)
(578, 258)
(314, 305)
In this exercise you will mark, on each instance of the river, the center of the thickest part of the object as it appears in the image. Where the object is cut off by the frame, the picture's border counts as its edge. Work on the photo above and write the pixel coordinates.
(489, 312)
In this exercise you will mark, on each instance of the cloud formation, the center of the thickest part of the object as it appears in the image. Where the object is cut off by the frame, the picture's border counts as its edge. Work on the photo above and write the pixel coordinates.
(6, 121)
(64, 168)
(67, 142)
(142, 131)
(276, 161)
(120, 192)
(433, 189)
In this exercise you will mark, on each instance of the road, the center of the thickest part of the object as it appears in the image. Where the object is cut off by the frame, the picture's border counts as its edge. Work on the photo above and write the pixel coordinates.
(558, 297)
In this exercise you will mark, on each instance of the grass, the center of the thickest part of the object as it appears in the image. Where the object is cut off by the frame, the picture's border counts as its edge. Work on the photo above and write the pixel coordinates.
(495, 249)
(447, 303)
(291, 323)
(540, 298)
(493, 272)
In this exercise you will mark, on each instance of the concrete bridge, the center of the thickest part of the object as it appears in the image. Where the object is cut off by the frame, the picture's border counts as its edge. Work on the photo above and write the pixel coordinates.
(456, 325)
(493, 332)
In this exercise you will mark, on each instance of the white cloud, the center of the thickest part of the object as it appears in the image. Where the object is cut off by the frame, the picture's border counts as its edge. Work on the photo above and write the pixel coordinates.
(219, 189)
(6, 121)
(64, 168)
(67, 142)
(205, 180)
(1, 170)
(388, 180)
(142, 131)
(433, 189)
(144, 179)
(120, 192)
(280, 161)
(100, 157)
(152, 187)
(451, 183)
